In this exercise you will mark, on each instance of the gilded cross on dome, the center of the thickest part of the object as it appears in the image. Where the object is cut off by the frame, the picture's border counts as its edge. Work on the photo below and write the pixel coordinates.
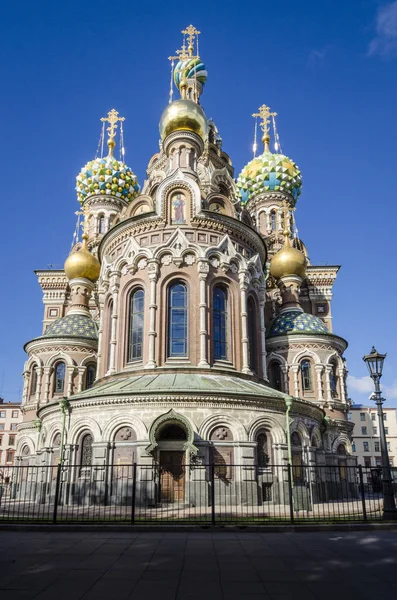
(264, 114)
(112, 118)
(191, 33)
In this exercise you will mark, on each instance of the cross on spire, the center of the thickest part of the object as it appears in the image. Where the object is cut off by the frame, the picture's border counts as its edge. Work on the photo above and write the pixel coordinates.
(192, 34)
(112, 118)
(264, 115)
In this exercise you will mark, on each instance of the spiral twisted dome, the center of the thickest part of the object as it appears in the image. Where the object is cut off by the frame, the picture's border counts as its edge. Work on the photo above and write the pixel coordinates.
(269, 172)
(188, 69)
(107, 176)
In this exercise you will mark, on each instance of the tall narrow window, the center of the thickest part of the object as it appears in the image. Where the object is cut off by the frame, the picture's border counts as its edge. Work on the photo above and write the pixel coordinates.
(59, 384)
(262, 449)
(90, 376)
(101, 224)
(33, 384)
(306, 372)
(135, 341)
(252, 335)
(109, 334)
(275, 376)
(177, 320)
(220, 323)
(333, 381)
(273, 220)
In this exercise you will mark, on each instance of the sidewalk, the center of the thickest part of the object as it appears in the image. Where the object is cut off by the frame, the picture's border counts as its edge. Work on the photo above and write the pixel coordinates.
(198, 566)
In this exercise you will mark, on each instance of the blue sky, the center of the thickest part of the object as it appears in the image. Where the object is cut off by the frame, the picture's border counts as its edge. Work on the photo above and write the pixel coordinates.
(328, 68)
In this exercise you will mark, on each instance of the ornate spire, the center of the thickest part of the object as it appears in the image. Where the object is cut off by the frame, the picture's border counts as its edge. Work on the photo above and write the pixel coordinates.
(190, 73)
(264, 115)
(112, 118)
(192, 34)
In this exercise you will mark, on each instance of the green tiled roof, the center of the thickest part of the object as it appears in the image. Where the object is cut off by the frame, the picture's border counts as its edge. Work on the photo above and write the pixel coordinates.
(296, 321)
(79, 326)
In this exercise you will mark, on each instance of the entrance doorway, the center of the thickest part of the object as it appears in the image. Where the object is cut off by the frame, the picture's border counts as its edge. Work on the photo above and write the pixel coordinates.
(172, 476)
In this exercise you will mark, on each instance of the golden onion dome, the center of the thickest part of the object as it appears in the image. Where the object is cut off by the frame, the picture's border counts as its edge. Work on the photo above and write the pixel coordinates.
(183, 115)
(81, 263)
(288, 261)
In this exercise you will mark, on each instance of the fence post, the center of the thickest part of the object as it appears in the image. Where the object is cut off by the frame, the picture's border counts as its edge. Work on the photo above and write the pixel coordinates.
(290, 493)
(212, 473)
(134, 469)
(360, 474)
(57, 488)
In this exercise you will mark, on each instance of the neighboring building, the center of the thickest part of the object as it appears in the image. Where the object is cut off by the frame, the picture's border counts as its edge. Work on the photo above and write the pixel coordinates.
(366, 441)
(10, 417)
(186, 317)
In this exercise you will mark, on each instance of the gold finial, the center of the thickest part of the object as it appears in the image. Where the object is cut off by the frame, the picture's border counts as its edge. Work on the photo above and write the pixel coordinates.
(264, 114)
(112, 118)
(191, 33)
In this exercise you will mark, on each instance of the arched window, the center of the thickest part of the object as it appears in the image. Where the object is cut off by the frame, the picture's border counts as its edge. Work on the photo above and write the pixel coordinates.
(101, 224)
(86, 451)
(220, 323)
(275, 376)
(333, 379)
(90, 375)
(33, 381)
(135, 334)
(306, 374)
(177, 320)
(252, 335)
(273, 220)
(59, 379)
(262, 449)
(109, 334)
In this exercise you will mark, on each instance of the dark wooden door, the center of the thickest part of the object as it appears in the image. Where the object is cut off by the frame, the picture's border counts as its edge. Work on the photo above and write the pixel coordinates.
(172, 476)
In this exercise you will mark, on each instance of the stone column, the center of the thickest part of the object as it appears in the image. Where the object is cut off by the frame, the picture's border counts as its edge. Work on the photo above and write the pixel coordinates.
(69, 379)
(81, 371)
(243, 279)
(102, 293)
(342, 385)
(319, 372)
(47, 378)
(153, 271)
(39, 371)
(284, 369)
(203, 270)
(115, 284)
(328, 394)
(262, 300)
(295, 369)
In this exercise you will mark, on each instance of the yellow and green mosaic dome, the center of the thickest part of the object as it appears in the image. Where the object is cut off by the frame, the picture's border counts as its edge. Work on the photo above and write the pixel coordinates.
(296, 321)
(78, 326)
(107, 176)
(269, 173)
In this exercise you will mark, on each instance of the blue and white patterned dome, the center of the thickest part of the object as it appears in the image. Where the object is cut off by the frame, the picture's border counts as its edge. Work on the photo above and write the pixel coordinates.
(107, 176)
(79, 326)
(296, 321)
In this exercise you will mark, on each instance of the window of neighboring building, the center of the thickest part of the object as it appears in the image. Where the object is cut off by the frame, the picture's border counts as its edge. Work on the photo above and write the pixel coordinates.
(11, 440)
(59, 384)
(1, 440)
(391, 461)
(275, 375)
(363, 430)
(386, 431)
(177, 320)
(220, 323)
(373, 416)
(353, 447)
(2, 414)
(367, 461)
(376, 446)
(1, 426)
(385, 416)
(375, 430)
(9, 456)
(378, 461)
(388, 446)
(15, 414)
(366, 446)
(362, 416)
(14, 426)
(306, 374)
(90, 375)
(136, 315)
(349, 416)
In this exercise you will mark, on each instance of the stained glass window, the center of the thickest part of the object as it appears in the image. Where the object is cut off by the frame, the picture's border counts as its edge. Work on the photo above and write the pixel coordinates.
(60, 370)
(177, 320)
(220, 323)
(135, 342)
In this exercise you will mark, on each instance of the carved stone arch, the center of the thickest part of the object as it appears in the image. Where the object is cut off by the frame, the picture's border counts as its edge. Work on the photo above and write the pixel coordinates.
(334, 355)
(222, 176)
(271, 425)
(22, 441)
(306, 353)
(300, 428)
(91, 358)
(114, 424)
(172, 417)
(178, 181)
(220, 419)
(273, 356)
(317, 437)
(140, 260)
(53, 430)
(342, 439)
(33, 360)
(178, 245)
(81, 425)
(59, 357)
(143, 200)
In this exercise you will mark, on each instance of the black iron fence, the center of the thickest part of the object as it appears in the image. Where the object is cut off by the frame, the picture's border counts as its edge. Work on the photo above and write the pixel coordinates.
(206, 494)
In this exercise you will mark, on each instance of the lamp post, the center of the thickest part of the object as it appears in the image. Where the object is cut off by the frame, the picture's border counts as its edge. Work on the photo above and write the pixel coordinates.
(374, 362)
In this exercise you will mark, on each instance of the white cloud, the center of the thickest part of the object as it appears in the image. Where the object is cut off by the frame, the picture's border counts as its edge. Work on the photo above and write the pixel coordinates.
(364, 385)
(385, 41)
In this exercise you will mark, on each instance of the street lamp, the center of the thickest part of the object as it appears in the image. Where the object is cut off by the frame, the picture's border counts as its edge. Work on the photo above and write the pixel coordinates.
(374, 362)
